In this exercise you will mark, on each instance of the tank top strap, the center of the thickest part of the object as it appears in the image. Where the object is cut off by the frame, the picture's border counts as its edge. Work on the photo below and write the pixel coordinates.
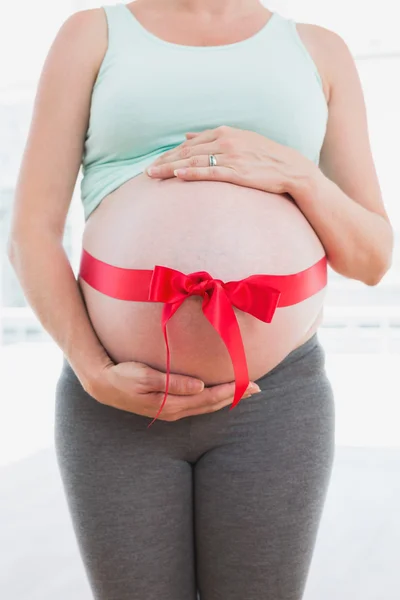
(119, 36)
(117, 22)
(291, 26)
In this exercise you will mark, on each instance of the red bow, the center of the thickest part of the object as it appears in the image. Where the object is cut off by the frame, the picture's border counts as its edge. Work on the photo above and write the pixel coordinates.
(251, 295)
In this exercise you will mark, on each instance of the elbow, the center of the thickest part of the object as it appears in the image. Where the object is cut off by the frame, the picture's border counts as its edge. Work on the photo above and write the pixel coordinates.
(371, 282)
(382, 262)
(10, 249)
(13, 249)
(377, 273)
(13, 245)
(374, 278)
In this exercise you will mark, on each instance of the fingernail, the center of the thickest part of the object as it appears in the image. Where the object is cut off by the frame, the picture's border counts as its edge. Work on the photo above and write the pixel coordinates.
(196, 385)
(179, 172)
(253, 388)
(152, 170)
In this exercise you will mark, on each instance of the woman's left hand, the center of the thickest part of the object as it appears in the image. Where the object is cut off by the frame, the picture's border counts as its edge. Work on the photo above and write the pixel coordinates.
(243, 157)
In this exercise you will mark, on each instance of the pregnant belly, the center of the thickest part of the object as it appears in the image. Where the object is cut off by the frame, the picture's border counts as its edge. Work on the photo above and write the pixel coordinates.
(231, 232)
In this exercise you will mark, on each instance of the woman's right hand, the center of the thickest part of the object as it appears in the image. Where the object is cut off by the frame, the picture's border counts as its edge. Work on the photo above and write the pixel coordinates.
(138, 388)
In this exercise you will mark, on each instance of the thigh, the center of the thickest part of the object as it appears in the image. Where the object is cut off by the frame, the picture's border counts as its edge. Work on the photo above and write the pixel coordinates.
(129, 493)
(260, 491)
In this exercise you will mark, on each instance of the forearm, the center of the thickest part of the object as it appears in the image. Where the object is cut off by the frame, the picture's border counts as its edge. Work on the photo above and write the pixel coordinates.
(48, 282)
(358, 243)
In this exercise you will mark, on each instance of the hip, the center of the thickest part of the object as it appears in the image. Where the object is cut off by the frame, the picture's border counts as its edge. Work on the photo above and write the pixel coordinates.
(296, 391)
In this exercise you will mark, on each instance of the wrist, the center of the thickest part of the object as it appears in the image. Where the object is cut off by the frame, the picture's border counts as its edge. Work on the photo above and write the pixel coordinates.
(307, 184)
(89, 371)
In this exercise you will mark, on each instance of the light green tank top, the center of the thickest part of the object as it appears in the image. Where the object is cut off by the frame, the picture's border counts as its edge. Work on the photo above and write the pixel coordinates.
(150, 92)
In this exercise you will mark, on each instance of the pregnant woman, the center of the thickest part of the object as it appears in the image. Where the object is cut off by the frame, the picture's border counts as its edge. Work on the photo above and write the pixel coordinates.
(226, 163)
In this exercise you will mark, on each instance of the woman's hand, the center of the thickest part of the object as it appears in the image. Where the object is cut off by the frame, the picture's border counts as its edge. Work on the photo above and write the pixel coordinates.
(135, 387)
(243, 157)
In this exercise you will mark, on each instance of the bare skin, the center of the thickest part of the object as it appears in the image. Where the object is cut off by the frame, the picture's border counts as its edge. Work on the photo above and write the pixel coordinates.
(147, 222)
(51, 164)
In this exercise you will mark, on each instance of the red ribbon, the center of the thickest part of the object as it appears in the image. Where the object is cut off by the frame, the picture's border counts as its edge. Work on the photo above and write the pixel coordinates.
(256, 295)
(249, 295)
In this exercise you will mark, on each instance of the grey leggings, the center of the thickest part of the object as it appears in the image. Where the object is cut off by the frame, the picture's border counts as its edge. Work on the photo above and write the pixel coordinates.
(226, 504)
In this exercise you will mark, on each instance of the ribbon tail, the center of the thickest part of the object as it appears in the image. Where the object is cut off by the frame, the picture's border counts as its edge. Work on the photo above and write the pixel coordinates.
(219, 311)
(168, 311)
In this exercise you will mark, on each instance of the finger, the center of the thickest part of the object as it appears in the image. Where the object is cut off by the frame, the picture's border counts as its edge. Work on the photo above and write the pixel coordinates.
(217, 173)
(184, 152)
(191, 134)
(167, 170)
(177, 406)
(172, 154)
(180, 385)
(207, 136)
(210, 407)
(208, 399)
(202, 137)
(164, 171)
